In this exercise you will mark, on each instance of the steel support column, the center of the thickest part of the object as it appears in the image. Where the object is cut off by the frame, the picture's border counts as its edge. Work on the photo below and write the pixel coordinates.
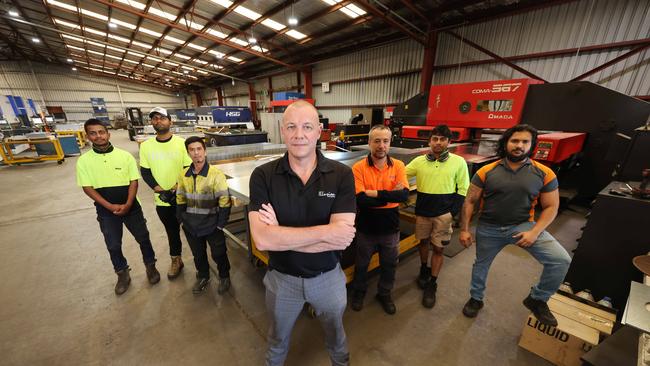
(308, 86)
(253, 103)
(428, 61)
(220, 96)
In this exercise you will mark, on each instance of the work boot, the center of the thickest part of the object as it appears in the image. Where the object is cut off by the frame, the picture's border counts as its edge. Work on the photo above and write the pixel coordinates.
(152, 273)
(176, 267)
(224, 285)
(386, 303)
(429, 295)
(123, 281)
(423, 278)
(472, 307)
(541, 311)
(200, 285)
(356, 301)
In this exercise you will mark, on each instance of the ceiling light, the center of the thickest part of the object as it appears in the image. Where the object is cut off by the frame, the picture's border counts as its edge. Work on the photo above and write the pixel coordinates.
(293, 21)
(14, 13)
(74, 69)
(69, 60)
(233, 82)
(185, 72)
(112, 25)
(252, 40)
(36, 40)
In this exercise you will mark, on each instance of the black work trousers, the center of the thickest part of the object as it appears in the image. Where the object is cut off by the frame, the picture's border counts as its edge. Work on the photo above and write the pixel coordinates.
(388, 247)
(167, 215)
(218, 250)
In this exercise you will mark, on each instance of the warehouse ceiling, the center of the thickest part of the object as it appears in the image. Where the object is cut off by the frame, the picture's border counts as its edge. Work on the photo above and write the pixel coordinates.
(190, 44)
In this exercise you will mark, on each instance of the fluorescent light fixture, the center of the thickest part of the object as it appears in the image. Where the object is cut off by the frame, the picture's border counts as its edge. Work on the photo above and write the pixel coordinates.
(293, 21)
(74, 69)
(112, 25)
(171, 63)
(122, 23)
(151, 32)
(163, 51)
(224, 3)
(92, 14)
(163, 69)
(235, 59)
(181, 56)
(136, 54)
(95, 31)
(62, 5)
(201, 62)
(187, 68)
(161, 13)
(173, 39)
(247, 13)
(252, 40)
(259, 49)
(186, 72)
(274, 25)
(36, 40)
(202, 72)
(196, 46)
(216, 33)
(239, 42)
(130, 61)
(217, 53)
(69, 60)
(97, 44)
(72, 38)
(154, 59)
(295, 34)
(75, 48)
(13, 13)
(143, 45)
(133, 3)
(66, 24)
(118, 38)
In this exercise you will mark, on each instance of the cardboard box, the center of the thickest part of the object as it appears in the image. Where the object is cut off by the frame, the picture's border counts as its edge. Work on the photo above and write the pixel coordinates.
(579, 329)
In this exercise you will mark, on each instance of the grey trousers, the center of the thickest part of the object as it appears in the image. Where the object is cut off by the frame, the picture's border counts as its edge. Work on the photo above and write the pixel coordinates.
(285, 298)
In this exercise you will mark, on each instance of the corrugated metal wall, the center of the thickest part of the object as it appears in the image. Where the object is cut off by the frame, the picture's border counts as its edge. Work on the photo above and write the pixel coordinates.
(73, 91)
(575, 24)
(572, 25)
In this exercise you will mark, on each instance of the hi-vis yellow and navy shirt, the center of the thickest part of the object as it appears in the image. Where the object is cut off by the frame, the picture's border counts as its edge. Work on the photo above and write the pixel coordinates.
(110, 174)
(442, 186)
(166, 160)
(203, 200)
(509, 196)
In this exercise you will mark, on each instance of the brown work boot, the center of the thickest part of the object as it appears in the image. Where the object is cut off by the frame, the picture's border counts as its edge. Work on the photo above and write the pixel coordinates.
(152, 273)
(176, 267)
(123, 281)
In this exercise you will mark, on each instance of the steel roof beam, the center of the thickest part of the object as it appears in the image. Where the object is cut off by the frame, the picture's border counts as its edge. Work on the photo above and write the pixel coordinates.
(379, 14)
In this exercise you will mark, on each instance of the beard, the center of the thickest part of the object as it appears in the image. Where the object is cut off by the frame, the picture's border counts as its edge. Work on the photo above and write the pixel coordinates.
(516, 158)
(161, 130)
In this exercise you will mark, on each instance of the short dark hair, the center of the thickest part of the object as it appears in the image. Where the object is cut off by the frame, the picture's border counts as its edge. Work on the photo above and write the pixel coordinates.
(503, 141)
(193, 139)
(441, 130)
(94, 122)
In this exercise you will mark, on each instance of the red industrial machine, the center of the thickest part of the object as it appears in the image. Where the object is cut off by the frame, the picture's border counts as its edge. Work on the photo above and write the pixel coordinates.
(471, 107)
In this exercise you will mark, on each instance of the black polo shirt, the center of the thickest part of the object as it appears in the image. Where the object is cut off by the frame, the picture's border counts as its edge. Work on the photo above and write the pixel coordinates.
(329, 190)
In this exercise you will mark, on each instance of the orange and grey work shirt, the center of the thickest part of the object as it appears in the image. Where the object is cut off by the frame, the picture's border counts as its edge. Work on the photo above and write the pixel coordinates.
(379, 215)
(510, 196)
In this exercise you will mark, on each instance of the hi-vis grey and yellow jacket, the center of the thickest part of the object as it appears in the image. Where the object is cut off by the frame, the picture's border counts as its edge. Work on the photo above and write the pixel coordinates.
(203, 200)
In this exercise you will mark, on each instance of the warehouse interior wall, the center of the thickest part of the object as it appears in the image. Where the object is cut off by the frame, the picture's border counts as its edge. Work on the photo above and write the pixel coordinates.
(390, 74)
(58, 86)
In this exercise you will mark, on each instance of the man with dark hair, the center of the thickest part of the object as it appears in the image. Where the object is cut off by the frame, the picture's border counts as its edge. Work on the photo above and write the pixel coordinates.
(381, 185)
(203, 207)
(442, 180)
(509, 189)
(161, 161)
(302, 210)
(109, 176)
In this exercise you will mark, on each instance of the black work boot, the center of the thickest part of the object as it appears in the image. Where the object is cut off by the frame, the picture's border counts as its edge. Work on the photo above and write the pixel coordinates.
(200, 285)
(472, 307)
(123, 281)
(356, 301)
(152, 273)
(224, 285)
(429, 295)
(423, 278)
(386, 303)
(541, 311)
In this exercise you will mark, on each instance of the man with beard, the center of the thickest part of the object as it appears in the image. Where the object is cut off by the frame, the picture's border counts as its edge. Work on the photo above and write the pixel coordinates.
(442, 179)
(509, 189)
(109, 176)
(380, 184)
(162, 159)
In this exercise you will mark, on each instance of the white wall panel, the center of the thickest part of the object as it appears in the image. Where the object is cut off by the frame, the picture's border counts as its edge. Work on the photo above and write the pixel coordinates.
(61, 87)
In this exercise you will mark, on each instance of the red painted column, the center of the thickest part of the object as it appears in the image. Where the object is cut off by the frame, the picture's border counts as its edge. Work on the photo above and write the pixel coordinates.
(429, 59)
(220, 96)
(253, 103)
(307, 77)
(298, 80)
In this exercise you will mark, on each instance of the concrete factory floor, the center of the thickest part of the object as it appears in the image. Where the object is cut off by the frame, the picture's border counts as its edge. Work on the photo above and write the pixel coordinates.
(58, 305)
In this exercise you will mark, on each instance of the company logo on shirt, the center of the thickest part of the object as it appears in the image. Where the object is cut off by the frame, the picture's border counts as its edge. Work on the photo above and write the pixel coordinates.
(326, 194)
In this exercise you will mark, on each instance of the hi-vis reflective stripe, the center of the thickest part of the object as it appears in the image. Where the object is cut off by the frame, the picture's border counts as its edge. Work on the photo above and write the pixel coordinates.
(201, 211)
(205, 196)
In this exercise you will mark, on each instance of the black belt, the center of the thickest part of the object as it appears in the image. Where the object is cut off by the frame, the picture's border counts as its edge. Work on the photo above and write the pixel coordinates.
(302, 275)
